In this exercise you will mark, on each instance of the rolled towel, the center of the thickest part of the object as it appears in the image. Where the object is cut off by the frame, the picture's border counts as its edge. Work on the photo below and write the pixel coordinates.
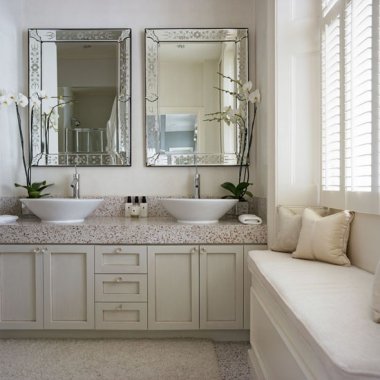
(8, 218)
(250, 219)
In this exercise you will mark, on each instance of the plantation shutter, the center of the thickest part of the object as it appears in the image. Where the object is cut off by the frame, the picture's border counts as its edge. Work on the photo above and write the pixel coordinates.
(350, 104)
(331, 106)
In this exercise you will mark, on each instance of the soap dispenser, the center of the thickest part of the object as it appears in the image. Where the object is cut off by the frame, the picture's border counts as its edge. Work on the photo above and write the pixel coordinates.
(143, 207)
(128, 205)
(135, 209)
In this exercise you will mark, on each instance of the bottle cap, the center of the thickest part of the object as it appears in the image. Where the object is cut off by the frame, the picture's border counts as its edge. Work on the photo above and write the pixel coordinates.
(136, 199)
(143, 199)
(129, 199)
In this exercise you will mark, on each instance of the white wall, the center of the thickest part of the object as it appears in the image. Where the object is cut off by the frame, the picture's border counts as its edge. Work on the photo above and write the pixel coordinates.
(287, 42)
(264, 155)
(297, 102)
(10, 67)
(136, 15)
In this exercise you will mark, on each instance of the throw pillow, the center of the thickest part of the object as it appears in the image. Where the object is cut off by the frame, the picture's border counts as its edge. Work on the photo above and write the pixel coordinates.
(324, 238)
(289, 226)
(376, 295)
(289, 221)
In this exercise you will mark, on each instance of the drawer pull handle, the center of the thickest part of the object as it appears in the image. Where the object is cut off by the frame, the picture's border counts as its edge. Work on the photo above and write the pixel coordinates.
(118, 250)
(118, 279)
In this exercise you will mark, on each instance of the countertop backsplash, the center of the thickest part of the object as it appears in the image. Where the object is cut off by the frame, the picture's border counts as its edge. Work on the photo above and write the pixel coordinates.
(114, 206)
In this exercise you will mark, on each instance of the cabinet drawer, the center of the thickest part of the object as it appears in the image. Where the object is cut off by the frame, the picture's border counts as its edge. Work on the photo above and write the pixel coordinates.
(120, 259)
(121, 316)
(121, 287)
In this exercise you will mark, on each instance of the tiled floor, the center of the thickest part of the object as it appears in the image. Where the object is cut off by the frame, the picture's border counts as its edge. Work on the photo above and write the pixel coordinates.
(233, 360)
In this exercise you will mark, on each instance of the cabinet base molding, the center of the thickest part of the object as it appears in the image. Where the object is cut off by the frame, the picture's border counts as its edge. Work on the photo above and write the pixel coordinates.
(216, 335)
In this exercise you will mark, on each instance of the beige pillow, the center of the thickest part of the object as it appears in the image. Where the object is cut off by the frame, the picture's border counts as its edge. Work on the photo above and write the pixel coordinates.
(288, 230)
(324, 238)
(376, 295)
(289, 226)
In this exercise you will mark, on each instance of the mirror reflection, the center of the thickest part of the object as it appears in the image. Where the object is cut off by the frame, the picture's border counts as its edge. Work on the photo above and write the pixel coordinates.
(85, 118)
(183, 68)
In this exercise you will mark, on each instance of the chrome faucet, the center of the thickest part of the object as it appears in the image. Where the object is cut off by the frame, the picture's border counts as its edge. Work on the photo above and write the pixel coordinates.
(197, 184)
(75, 184)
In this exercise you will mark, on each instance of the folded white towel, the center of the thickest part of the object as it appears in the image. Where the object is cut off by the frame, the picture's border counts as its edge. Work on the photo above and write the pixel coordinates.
(250, 219)
(8, 218)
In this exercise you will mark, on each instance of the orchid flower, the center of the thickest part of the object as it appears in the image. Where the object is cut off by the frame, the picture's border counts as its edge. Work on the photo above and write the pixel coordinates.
(254, 97)
(242, 94)
(21, 100)
(42, 94)
(7, 99)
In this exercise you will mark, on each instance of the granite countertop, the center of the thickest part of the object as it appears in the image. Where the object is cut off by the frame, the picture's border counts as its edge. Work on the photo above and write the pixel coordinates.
(120, 230)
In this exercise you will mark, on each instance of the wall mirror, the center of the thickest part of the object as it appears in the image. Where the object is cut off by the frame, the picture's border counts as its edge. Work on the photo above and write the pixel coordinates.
(85, 120)
(182, 77)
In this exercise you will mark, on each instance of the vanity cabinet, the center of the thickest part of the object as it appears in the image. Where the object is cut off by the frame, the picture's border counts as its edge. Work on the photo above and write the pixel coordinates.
(21, 287)
(49, 287)
(173, 287)
(221, 287)
(192, 287)
(121, 287)
(126, 287)
(68, 287)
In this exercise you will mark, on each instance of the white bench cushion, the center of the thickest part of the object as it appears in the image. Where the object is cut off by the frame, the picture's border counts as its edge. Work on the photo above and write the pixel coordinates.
(330, 306)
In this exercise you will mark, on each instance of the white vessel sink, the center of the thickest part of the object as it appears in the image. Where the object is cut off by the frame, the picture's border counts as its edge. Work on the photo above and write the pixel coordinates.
(198, 211)
(61, 210)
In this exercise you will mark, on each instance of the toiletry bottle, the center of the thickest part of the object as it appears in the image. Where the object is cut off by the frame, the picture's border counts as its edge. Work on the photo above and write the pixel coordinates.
(135, 208)
(143, 207)
(128, 205)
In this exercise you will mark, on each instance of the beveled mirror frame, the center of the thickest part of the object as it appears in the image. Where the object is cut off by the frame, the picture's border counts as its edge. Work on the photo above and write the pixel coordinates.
(122, 36)
(153, 37)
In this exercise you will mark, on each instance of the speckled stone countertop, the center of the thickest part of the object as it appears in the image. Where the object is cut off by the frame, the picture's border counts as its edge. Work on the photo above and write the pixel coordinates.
(120, 230)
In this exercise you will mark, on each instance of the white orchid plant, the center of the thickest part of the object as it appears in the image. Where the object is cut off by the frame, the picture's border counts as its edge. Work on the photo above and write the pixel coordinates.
(244, 95)
(34, 189)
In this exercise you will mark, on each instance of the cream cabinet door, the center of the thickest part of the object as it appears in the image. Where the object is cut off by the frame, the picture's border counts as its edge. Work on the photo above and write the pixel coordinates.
(69, 287)
(221, 287)
(173, 287)
(21, 287)
(247, 281)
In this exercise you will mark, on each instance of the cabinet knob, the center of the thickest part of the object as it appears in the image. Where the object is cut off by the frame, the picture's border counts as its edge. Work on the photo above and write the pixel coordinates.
(118, 250)
(37, 250)
(203, 250)
(194, 250)
(119, 307)
(43, 250)
(118, 279)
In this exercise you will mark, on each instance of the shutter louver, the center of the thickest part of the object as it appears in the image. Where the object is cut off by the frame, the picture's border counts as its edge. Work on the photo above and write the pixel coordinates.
(358, 95)
(331, 106)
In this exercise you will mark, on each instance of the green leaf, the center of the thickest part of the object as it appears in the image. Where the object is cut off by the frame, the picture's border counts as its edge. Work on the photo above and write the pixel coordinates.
(229, 186)
(249, 194)
(44, 187)
(34, 194)
(242, 186)
(37, 185)
(18, 185)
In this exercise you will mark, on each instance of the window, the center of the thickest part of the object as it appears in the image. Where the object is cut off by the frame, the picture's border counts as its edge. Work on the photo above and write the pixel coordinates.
(350, 104)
